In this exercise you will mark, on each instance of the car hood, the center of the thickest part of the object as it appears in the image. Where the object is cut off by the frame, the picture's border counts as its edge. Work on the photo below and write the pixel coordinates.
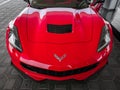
(80, 22)
(77, 48)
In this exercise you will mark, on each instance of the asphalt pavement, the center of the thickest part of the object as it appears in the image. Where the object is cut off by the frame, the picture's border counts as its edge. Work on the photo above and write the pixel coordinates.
(12, 79)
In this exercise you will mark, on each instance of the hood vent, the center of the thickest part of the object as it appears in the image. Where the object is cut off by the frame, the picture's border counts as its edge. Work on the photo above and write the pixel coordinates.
(59, 29)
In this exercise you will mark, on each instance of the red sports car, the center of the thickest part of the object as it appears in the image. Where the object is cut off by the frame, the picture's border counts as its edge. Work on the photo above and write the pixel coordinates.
(59, 40)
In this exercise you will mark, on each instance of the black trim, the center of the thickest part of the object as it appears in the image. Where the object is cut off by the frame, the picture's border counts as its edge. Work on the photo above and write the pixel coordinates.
(59, 29)
(58, 73)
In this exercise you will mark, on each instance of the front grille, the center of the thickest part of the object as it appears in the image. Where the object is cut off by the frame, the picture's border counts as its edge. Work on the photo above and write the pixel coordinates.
(59, 29)
(57, 73)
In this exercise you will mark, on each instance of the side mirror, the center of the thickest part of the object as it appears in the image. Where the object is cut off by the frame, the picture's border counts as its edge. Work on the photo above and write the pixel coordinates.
(27, 1)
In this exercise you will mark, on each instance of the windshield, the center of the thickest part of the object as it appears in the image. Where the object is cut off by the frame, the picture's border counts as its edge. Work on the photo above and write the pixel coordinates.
(59, 3)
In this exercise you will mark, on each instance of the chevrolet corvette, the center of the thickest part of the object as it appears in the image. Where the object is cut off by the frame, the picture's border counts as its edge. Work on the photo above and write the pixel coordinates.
(59, 40)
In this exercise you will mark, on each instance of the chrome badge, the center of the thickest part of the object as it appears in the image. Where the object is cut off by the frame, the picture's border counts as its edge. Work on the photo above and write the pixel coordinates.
(60, 58)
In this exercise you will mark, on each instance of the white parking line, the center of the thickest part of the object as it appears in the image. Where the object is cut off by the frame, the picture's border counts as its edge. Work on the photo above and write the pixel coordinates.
(4, 2)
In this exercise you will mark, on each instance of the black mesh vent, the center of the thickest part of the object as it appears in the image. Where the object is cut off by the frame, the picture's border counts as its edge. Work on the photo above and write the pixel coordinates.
(59, 29)
(59, 74)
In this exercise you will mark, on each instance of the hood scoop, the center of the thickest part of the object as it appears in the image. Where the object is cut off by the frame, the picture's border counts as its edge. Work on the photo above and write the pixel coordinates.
(59, 29)
(59, 25)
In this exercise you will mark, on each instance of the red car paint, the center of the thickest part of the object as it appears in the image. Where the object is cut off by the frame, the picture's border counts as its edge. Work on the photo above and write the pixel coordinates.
(77, 49)
(96, 6)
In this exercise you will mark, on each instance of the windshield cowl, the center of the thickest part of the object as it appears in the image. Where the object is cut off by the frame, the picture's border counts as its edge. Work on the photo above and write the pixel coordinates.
(40, 4)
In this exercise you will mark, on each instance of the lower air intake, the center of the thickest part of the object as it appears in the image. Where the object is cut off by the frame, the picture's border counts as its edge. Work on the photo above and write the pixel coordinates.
(59, 74)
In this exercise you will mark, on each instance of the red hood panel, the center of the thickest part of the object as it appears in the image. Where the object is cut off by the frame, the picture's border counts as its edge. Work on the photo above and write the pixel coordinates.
(87, 27)
(37, 21)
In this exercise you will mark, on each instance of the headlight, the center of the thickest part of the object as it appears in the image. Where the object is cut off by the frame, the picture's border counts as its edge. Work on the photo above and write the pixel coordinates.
(14, 38)
(105, 38)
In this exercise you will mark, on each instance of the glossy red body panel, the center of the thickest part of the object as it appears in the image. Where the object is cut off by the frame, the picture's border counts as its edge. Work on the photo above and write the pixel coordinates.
(39, 46)
(96, 6)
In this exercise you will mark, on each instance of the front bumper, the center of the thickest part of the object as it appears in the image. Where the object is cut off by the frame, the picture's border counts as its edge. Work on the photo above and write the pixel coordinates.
(39, 71)
(59, 76)
(35, 69)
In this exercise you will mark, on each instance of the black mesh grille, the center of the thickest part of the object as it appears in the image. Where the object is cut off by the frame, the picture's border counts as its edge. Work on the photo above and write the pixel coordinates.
(59, 74)
(59, 29)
